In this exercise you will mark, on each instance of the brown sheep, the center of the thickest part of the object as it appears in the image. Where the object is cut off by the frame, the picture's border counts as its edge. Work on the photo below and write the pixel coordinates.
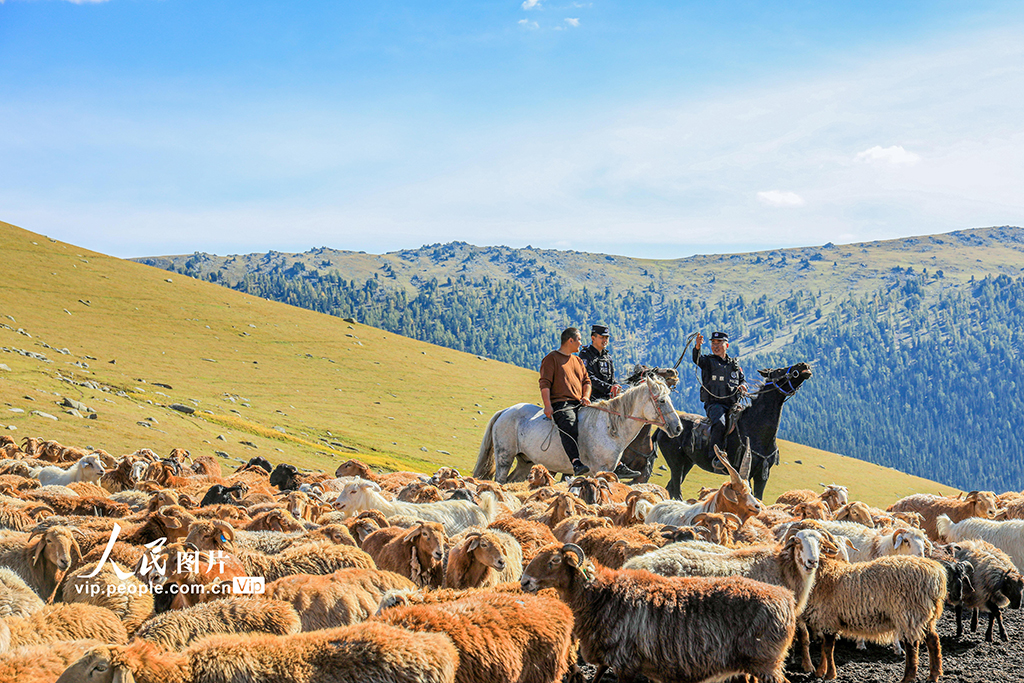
(812, 509)
(55, 623)
(127, 598)
(41, 558)
(120, 478)
(975, 504)
(275, 520)
(855, 512)
(313, 558)
(753, 532)
(416, 554)
(592, 490)
(539, 477)
(419, 492)
(501, 638)
(389, 482)
(370, 652)
(480, 558)
(207, 465)
(722, 526)
(343, 598)
(532, 536)
(335, 533)
(617, 491)
(612, 547)
(569, 528)
(178, 629)
(42, 663)
(562, 505)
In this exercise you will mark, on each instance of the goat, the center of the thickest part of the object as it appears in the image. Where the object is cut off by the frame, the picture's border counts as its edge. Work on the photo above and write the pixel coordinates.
(734, 497)
(868, 544)
(455, 515)
(639, 623)
(975, 504)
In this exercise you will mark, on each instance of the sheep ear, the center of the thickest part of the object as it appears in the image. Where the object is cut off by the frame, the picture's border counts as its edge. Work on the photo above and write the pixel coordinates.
(897, 539)
(414, 533)
(122, 675)
(40, 545)
(474, 544)
(730, 494)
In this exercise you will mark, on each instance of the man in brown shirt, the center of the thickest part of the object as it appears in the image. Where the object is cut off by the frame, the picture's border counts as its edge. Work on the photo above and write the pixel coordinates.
(564, 388)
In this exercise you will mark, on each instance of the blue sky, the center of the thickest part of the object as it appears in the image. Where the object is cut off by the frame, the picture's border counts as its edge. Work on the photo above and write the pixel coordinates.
(142, 127)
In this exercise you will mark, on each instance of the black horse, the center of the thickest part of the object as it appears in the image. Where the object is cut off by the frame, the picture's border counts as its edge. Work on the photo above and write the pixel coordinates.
(759, 423)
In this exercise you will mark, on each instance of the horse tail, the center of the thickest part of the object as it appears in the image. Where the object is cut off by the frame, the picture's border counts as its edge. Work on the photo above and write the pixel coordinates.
(485, 459)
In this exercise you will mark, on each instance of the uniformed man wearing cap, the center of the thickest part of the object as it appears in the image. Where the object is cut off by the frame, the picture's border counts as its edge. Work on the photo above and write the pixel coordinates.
(721, 386)
(601, 369)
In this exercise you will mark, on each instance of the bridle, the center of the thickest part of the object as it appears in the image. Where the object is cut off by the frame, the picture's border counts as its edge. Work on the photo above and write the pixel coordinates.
(662, 422)
(789, 375)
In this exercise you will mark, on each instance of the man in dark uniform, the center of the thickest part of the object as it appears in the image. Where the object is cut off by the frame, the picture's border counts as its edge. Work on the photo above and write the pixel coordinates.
(602, 377)
(722, 385)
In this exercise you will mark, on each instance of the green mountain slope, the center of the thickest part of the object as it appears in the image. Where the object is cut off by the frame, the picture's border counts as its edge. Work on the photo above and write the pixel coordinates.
(914, 339)
(264, 378)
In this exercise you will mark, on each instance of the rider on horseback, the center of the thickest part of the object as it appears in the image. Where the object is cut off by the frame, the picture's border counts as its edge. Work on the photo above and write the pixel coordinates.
(721, 386)
(564, 389)
(599, 365)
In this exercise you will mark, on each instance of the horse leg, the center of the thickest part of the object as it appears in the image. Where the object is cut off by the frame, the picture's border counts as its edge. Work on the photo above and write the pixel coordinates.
(680, 467)
(502, 462)
(522, 470)
(760, 481)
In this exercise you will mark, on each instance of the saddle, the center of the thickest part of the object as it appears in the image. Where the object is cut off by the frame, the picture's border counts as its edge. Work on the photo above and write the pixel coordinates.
(703, 428)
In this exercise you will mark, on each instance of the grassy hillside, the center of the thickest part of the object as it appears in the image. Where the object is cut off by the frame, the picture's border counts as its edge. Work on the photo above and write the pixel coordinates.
(264, 378)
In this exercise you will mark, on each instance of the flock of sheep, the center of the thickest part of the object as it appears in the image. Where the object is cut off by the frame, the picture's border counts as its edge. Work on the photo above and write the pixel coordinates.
(410, 577)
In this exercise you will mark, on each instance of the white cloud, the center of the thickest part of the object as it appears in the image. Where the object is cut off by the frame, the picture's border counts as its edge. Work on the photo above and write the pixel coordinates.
(777, 198)
(894, 155)
(526, 23)
(572, 21)
(530, 4)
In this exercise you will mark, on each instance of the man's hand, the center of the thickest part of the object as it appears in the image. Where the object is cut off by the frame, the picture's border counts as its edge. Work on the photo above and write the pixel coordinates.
(742, 389)
(698, 341)
(616, 390)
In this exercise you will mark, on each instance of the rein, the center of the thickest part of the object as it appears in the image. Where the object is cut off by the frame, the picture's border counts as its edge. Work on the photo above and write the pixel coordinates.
(657, 406)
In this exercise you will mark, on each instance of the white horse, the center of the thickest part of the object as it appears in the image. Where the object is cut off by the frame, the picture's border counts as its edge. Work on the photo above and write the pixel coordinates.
(522, 432)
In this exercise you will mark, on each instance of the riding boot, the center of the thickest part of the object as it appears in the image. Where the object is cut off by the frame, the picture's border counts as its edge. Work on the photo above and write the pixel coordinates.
(717, 438)
(623, 472)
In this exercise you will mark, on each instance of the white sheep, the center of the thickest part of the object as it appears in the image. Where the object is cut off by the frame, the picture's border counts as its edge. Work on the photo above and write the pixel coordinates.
(89, 469)
(1008, 536)
(869, 544)
(454, 515)
(16, 598)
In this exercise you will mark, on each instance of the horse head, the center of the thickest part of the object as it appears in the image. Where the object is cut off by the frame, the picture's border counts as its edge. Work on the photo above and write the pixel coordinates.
(786, 380)
(665, 413)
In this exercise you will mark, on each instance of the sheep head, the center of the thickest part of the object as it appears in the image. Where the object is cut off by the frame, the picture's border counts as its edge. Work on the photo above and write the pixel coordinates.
(721, 525)
(115, 664)
(673, 534)
(984, 505)
(419, 492)
(337, 534)
(914, 519)
(855, 512)
(353, 468)
(485, 549)
(557, 566)
(539, 477)
(91, 468)
(911, 542)
(53, 555)
(811, 509)
(428, 537)
(835, 496)
(280, 520)
(212, 535)
(174, 520)
(298, 503)
(364, 527)
(356, 496)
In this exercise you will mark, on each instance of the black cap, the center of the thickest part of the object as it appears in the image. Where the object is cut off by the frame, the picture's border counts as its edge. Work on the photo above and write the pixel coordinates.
(719, 335)
(600, 330)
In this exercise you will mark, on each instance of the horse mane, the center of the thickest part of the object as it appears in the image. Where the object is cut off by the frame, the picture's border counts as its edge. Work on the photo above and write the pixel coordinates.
(624, 404)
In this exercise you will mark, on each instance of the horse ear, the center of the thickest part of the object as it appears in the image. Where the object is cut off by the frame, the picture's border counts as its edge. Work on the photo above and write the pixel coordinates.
(764, 373)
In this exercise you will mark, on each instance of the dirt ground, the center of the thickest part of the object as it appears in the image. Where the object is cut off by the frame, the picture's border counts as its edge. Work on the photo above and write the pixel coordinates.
(969, 660)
